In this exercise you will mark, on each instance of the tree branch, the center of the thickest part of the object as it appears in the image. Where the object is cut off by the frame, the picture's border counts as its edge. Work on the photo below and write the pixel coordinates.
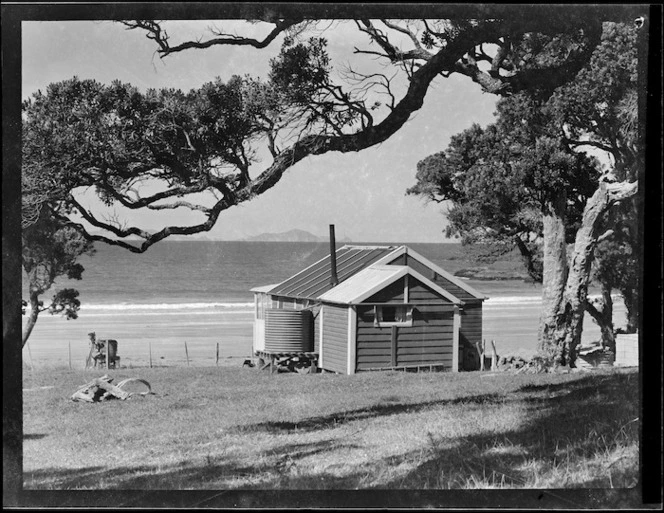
(594, 144)
(180, 204)
(421, 52)
(393, 53)
(149, 200)
(605, 235)
(157, 34)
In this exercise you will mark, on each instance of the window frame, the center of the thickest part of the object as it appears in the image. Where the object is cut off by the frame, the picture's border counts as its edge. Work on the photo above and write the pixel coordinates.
(407, 315)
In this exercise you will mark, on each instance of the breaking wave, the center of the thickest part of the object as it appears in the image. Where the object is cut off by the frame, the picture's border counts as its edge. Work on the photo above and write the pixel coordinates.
(168, 306)
(505, 301)
(248, 307)
(512, 300)
(164, 308)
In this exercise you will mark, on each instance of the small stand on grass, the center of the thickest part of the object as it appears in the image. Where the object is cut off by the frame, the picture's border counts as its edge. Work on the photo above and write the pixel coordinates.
(186, 351)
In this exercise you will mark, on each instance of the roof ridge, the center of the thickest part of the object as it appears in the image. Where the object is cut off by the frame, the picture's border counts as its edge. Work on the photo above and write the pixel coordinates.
(365, 246)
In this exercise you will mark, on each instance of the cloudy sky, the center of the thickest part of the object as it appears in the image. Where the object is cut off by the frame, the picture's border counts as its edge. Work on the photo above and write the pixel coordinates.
(363, 193)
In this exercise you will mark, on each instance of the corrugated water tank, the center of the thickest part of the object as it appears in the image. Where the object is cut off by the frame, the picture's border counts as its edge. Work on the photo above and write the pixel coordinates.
(288, 331)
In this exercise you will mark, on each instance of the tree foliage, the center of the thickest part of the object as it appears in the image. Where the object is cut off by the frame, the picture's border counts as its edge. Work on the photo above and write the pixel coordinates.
(203, 147)
(204, 150)
(501, 181)
(51, 250)
(498, 180)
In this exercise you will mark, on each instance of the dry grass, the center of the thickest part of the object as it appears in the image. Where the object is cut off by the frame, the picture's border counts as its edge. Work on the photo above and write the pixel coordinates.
(235, 428)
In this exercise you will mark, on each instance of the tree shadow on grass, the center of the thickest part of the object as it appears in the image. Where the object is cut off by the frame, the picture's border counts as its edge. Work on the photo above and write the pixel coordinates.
(270, 471)
(562, 421)
(612, 380)
(34, 436)
(337, 419)
(568, 422)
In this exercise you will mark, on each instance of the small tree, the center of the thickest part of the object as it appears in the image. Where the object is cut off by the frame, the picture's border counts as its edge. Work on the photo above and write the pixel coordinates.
(51, 250)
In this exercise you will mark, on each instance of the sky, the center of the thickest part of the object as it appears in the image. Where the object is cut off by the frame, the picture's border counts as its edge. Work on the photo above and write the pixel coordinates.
(362, 194)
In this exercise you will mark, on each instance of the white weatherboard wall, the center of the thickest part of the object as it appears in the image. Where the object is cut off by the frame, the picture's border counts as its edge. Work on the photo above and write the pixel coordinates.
(627, 350)
(259, 324)
(334, 338)
(455, 339)
(352, 339)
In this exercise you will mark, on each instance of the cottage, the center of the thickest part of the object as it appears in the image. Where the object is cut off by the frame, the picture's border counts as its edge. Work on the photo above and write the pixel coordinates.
(371, 308)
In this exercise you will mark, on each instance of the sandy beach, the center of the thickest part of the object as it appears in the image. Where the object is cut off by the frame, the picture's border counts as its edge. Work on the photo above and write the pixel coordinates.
(164, 332)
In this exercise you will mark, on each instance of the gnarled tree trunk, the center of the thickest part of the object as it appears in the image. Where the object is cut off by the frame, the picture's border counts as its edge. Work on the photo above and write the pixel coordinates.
(631, 309)
(555, 270)
(601, 311)
(561, 343)
(32, 318)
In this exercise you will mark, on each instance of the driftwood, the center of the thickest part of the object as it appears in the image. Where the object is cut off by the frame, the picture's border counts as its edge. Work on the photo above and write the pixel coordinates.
(101, 389)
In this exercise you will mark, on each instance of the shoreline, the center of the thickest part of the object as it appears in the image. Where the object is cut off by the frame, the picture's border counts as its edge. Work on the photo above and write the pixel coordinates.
(171, 336)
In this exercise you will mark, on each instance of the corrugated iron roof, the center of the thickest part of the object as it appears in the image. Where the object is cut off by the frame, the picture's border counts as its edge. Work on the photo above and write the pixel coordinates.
(401, 250)
(314, 281)
(374, 278)
(264, 288)
(357, 285)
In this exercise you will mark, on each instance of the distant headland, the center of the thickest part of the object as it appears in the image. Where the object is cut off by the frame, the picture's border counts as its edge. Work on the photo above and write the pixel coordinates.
(292, 236)
(289, 236)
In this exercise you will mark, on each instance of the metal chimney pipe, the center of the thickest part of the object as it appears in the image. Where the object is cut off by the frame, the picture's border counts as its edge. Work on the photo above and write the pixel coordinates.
(334, 280)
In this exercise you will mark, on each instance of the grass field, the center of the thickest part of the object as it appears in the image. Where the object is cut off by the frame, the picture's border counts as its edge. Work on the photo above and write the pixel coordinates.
(239, 428)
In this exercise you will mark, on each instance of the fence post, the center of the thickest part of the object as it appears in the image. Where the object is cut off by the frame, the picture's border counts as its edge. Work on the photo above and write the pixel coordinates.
(32, 365)
(217, 360)
(150, 348)
(69, 345)
(494, 356)
(480, 350)
(186, 351)
(107, 362)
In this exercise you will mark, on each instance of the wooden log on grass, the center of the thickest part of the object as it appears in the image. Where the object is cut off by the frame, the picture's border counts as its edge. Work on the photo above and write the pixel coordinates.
(92, 391)
(111, 390)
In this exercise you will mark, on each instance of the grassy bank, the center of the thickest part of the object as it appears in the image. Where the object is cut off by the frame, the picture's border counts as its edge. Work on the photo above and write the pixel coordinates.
(239, 428)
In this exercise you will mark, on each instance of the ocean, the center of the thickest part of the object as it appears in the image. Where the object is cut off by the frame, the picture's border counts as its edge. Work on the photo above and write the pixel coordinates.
(178, 302)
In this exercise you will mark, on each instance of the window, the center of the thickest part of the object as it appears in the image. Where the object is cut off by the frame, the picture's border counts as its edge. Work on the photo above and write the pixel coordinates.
(393, 315)
(260, 313)
(262, 304)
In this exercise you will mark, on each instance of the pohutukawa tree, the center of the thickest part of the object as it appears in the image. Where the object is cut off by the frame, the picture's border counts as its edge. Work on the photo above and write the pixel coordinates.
(167, 149)
(50, 250)
(523, 180)
(162, 150)
(50, 245)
